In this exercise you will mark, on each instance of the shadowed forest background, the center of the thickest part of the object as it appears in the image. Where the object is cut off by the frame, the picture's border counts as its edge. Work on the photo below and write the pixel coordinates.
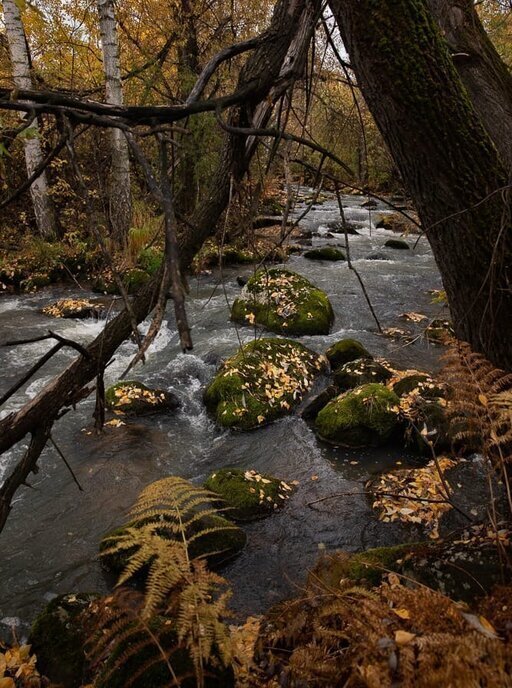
(256, 319)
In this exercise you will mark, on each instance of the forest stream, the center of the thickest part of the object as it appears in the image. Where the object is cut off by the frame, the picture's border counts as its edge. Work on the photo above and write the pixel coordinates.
(50, 543)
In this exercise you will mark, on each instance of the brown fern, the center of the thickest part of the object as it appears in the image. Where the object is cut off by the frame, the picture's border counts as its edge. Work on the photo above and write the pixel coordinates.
(176, 627)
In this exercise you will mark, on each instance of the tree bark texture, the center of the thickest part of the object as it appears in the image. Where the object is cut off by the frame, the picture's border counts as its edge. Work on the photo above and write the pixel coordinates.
(41, 201)
(271, 69)
(119, 188)
(446, 159)
(486, 77)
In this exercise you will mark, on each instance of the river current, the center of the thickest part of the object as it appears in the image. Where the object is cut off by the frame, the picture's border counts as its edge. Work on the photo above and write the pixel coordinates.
(50, 543)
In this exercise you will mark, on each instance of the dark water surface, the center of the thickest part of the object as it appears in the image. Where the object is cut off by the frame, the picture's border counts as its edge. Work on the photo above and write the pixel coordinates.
(49, 545)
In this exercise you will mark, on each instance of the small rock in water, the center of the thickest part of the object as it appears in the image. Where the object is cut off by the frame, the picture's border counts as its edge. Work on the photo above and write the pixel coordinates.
(398, 244)
(377, 256)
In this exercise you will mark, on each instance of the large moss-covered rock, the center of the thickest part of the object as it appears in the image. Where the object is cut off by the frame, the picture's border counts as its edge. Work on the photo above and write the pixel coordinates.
(222, 540)
(344, 351)
(133, 280)
(439, 331)
(362, 371)
(135, 398)
(397, 244)
(422, 383)
(284, 302)
(264, 381)
(249, 495)
(366, 416)
(325, 253)
(429, 424)
(57, 638)
(138, 655)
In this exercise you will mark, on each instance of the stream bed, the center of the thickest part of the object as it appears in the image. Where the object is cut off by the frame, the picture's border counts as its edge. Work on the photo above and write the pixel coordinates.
(50, 543)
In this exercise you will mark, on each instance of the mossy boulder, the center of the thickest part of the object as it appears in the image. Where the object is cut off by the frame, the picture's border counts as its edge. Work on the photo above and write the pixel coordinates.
(460, 569)
(362, 371)
(339, 228)
(397, 244)
(222, 540)
(440, 331)
(35, 281)
(344, 351)
(284, 302)
(122, 663)
(398, 223)
(150, 259)
(249, 495)
(429, 425)
(57, 638)
(325, 253)
(366, 416)
(264, 381)
(74, 308)
(133, 280)
(136, 399)
(420, 382)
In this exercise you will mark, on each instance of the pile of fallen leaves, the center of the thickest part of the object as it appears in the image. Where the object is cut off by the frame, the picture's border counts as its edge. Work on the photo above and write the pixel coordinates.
(66, 308)
(18, 668)
(414, 495)
(127, 394)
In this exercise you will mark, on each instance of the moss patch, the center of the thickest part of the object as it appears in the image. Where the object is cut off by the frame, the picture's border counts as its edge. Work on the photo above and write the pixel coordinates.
(362, 371)
(249, 495)
(57, 637)
(150, 259)
(325, 253)
(422, 382)
(284, 302)
(135, 398)
(344, 351)
(366, 416)
(262, 382)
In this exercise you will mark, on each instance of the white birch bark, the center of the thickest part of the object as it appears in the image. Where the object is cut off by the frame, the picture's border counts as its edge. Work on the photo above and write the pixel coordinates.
(119, 191)
(43, 207)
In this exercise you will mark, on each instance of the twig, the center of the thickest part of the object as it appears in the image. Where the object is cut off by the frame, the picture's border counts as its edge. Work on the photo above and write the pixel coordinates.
(60, 453)
(349, 262)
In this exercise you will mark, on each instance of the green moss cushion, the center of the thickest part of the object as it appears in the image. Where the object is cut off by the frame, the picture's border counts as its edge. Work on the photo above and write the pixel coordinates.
(264, 381)
(135, 398)
(248, 495)
(325, 253)
(344, 351)
(366, 416)
(283, 302)
(57, 638)
(360, 372)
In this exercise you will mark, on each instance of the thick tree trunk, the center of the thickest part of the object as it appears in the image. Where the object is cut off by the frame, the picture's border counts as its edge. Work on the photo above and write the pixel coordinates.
(486, 77)
(445, 156)
(43, 207)
(272, 69)
(120, 209)
(188, 71)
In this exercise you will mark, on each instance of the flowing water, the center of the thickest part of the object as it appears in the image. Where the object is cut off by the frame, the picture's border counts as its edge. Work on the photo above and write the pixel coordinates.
(49, 545)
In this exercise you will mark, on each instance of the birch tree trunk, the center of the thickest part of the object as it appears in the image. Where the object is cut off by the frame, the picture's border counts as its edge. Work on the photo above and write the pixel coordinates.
(120, 206)
(43, 207)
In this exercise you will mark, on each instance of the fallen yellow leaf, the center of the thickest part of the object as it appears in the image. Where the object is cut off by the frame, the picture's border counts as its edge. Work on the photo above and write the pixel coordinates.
(404, 637)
